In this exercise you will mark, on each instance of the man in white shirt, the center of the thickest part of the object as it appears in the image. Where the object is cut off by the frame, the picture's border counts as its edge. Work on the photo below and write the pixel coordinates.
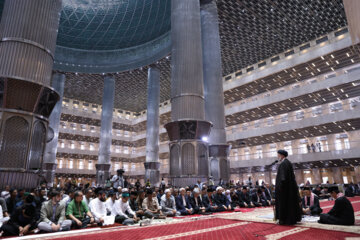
(98, 208)
(88, 196)
(123, 212)
(118, 179)
(5, 194)
(168, 205)
(110, 202)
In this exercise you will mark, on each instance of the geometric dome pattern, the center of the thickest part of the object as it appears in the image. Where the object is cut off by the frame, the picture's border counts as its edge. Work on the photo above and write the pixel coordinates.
(112, 24)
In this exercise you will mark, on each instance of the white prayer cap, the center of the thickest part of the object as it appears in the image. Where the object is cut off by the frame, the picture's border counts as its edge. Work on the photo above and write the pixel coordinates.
(228, 191)
(125, 190)
(181, 189)
(167, 190)
(219, 188)
(196, 190)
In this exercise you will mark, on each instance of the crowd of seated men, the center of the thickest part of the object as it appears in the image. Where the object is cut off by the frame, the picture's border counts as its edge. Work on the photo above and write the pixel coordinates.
(77, 207)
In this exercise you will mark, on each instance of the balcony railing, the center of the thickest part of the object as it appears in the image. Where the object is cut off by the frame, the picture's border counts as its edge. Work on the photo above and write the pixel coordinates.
(341, 146)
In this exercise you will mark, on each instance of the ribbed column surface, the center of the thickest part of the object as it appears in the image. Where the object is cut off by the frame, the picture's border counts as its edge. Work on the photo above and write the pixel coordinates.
(186, 61)
(28, 31)
(58, 82)
(152, 124)
(213, 85)
(106, 120)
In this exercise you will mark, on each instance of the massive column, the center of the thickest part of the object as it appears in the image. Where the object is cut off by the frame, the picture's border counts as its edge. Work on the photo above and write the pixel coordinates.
(49, 166)
(299, 176)
(28, 31)
(188, 129)
(152, 164)
(337, 175)
(213, 90)
(316, 172)
(103, 164)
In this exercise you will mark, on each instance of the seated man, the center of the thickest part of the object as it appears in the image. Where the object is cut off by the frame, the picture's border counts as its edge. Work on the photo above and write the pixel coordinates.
(11, 201)
(342, 213)
(123, 212)
(98, 208)
(78, 212)
(110, 202)
(208, 201)
(258, 199)
(267, 194)
(52, 215)
(310, 203)
(21, 222)
(245, 198)
(151, 206)
(196, 203)
(183, 204)
(134, 204)
(235, 199)
(88, 196)
(168, 205)
(221, 201)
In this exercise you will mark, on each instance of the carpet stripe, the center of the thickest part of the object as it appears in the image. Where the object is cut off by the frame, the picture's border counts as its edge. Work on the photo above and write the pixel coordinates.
(198, 231)
(333, 205)
(279, 235)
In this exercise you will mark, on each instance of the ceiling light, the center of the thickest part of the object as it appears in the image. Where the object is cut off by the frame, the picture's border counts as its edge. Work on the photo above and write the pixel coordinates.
(332, 56)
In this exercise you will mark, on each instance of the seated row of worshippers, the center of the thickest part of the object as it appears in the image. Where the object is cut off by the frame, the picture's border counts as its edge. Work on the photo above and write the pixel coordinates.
(342, 213)
(52, 210)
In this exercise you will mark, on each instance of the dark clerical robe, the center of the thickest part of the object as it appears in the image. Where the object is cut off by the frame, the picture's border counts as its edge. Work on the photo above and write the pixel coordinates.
(341, 214)
(287, 198)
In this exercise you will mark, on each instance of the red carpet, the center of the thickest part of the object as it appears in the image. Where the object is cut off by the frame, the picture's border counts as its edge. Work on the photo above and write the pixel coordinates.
(328, 204)
(215, 229)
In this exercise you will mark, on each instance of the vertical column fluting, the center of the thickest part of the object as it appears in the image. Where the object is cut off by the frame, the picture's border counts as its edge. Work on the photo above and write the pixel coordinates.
(103, 164)
(188, 129)
(187, 92)
(58, 82)
(213, 90)
(28, 31)
(152, 164)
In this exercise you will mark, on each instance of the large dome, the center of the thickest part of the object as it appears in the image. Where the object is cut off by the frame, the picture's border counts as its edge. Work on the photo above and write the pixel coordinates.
(112, 25)
(98, 36)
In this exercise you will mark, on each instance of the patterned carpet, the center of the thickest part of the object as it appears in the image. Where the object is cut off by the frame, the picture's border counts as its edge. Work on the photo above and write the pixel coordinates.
(244, 224)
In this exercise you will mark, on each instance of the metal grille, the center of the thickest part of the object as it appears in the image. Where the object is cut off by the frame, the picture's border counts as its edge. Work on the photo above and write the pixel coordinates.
(174, 160)
(223, 169)
(188, 159)
(214, 166)
(203, 165)
(37, 145)
(15, 143)
(21, 95)
(2, 89)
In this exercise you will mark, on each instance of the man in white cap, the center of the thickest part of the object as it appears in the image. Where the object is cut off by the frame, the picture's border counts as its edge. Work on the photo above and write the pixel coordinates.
(221, 201)
(168, 205)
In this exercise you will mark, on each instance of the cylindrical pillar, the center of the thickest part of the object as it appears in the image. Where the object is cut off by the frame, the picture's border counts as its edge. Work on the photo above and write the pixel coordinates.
(213, 89)
(28, 32)
(188, 129)
(357, 173)
(152, 164)
(317, 176)
(103, 164)
(337, 175)
(299, 176)
(49, 166)
(187, 88)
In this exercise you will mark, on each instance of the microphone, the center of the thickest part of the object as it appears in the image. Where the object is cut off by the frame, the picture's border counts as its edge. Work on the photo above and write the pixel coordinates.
(275, 162)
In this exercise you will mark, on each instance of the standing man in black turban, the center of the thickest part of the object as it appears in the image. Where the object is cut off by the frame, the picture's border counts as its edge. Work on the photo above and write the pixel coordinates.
(287, 198)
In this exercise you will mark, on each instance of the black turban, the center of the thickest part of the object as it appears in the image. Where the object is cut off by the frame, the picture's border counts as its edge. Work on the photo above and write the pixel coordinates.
(283, 152)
